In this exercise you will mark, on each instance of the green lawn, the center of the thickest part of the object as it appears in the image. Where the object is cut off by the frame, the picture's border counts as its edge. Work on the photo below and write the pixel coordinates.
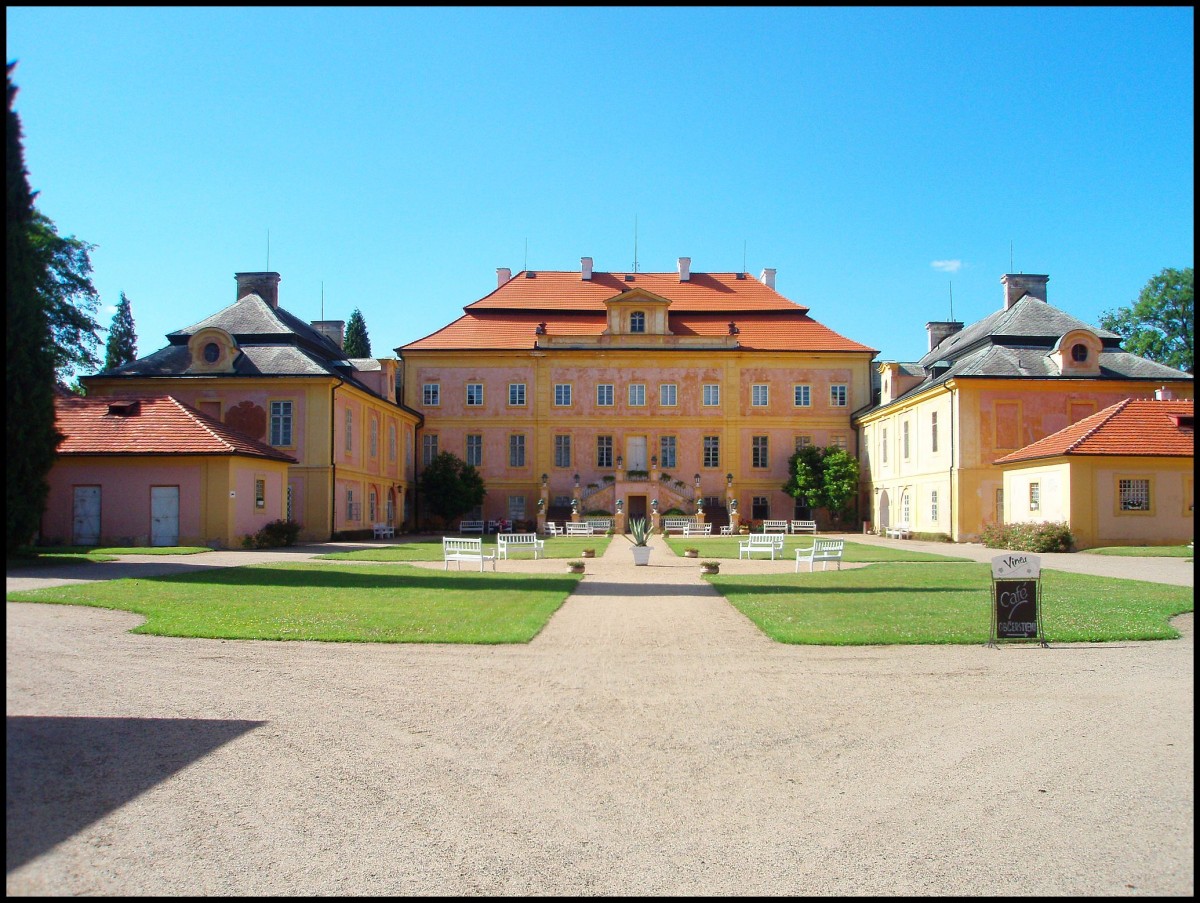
(340, 603)
(35, 556)
(904, 603)
(1143, 551)
(430, 549)
(715, 547)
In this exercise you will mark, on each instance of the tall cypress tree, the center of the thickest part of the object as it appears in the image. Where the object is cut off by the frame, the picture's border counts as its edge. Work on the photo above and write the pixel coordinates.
(122, 339)
(29, 364)
(358, 343)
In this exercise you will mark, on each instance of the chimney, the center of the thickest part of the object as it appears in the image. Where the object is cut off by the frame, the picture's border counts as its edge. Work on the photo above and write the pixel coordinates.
(1163, 394)
(685, 269)
(265, 285)
(941, 330)
(768, 278)
(334, 330)
(1017, 285)
(503, 274)
(585, 267)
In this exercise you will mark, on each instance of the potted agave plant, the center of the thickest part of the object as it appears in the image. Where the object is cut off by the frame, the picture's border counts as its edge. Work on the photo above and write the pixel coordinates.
(639, 529)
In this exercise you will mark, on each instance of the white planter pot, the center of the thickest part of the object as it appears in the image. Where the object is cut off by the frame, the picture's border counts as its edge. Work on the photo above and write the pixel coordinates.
(641, 555)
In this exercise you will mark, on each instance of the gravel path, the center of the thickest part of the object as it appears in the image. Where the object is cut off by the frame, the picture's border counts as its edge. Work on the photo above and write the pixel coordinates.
(649, 741)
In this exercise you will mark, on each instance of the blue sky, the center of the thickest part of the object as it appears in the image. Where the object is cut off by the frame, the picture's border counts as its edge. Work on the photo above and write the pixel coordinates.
(878, 159)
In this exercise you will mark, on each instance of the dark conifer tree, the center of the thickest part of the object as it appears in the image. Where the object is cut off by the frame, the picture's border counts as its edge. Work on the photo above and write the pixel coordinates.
(358, 343)
(122, 338)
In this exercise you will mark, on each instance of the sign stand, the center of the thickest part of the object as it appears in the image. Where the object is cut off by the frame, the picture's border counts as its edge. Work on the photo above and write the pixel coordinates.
(1017, 600)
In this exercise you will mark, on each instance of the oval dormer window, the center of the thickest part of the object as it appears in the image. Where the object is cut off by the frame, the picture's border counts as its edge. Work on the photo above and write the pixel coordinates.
(1079, 352)
(637, 321)
(212, 352)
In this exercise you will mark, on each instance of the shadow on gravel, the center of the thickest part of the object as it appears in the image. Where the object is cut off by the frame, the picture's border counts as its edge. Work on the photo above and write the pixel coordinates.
(63, 774)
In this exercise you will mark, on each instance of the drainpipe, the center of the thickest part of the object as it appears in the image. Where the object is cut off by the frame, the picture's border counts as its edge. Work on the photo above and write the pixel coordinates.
(332, 464)
(953, 525)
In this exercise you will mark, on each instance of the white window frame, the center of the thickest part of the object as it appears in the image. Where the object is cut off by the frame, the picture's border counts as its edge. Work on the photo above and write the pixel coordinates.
(562, 450)
(516, 395)
(605, 394)
(281, 424)
(516, 450)
(838, 395)
(604, 451)
(712, 451)
(562, 395)
(668, 395)
(429, 448)
(760, 395)
(710, 395)
(802, 395)
(760, 452)
(473, 449)
(474, 395)
(637, 395)
(431, 395)
(668, 450)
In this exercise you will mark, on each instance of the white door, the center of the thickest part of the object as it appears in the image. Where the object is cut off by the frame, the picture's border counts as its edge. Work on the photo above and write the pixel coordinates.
(85, 530)
(164, 515)
(635, 453)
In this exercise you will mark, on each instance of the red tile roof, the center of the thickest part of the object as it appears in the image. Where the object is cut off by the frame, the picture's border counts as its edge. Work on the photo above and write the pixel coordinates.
(155, 425)
(1133, 427)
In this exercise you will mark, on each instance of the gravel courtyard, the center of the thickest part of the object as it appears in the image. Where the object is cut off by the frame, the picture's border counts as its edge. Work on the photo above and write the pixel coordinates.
(649, 741)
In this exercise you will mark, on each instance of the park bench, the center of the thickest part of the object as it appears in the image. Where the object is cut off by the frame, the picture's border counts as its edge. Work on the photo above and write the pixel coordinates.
(804, 526)
(601, 524)
(383, 531)
(456, 548)
(579, 528)
(824, 551)
(899, 531)
(677, 524)
(470, 526)
(760, 542)
(520, 540)
(727, 530)
(775, 526)
(552, 529)
(694, 529)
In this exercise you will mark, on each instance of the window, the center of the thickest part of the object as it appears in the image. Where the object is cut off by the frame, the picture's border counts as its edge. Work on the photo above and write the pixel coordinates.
(429, 448)
(260, 493)
(933, 505)
(904, 438)
(803, 397)
(562, 451)
(1079, 353)
(1134, 495)
(666, 449)
(1035, 496)
(758, 451)
(562, 395)
(431, 394)
(516, 450)
(516, 507)
(712, 451)
(758, 396)
(349, 430)
(760, 507)
(374, 437)
(372, 505)
(474, 450)
(604, 395)
(351, 507)
(803, 442)
(637, 321)
(837, 396)
(562, 501)
(904, 508)
(712, 395)
(281, 423)
(668, 395)
(604, 454)
(212, 351)
(516, 394)
(474, 395)
(637, 395)
(933, 431)
(392, 442)
(838, 440)
(883, 444)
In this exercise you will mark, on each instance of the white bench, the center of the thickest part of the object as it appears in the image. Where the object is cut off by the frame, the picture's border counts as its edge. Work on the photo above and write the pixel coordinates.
(383, 531)
(455, 548)
(775, 526)
(579, 528)
(899, 531)
(601, 524)
(727, 530)
(804, 526)
(677, 524)
(520, 540)
(470, 526)
(694, 529)
(552, 529)
(760, 542)
(824, 551)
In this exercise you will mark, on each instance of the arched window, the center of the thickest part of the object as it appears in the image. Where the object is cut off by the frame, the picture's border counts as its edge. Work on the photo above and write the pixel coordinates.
(1079, 352)
(637, 321)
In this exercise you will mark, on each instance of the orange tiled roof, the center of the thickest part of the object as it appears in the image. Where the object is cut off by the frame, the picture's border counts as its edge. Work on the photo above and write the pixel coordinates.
(161, 425)
(792, 330)
(1133, 427)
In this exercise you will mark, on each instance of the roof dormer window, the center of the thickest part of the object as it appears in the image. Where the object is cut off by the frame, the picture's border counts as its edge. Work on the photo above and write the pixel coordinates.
(212, 352)
(1079, 352)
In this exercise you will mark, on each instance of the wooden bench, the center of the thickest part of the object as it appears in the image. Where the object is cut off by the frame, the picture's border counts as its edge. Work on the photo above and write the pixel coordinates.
(383, 531)
(520, 540)
(455, 548)
(824, 551)
(899, 531)
(677, 524)
(804, 526)
(579, 528)
(470, 526)
(775, 526)
(694, 529)
(760, 542)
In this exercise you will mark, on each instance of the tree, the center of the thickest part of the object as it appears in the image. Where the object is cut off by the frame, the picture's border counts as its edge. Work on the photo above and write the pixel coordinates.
(121, 347)
(70, 300)
(358, 343)
(804, 481)
(825, 478)
(1160, 325)
(28, 341)
(450, 487)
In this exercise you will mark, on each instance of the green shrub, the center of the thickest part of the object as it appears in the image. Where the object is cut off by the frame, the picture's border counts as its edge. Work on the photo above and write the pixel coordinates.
(932, 537)
(1042, 536)
(276, 533)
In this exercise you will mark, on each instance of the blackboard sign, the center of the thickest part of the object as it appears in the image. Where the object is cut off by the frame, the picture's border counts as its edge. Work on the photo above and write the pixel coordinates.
(1016, 609)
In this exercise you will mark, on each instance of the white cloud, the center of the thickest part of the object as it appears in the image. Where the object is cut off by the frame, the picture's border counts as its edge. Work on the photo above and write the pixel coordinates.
(947, 266)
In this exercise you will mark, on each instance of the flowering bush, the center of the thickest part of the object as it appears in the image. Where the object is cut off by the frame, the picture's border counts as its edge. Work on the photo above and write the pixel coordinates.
(1042, 536)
